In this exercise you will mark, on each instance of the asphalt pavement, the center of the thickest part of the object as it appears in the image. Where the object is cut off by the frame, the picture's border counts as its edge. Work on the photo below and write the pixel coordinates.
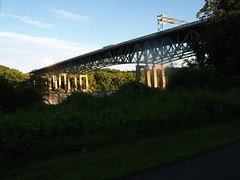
(221, 164)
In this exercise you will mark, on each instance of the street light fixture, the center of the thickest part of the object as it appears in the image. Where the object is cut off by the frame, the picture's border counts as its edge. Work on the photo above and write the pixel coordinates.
(163, 19)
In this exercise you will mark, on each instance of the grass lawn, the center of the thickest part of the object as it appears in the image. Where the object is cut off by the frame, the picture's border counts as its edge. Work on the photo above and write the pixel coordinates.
(123, 159)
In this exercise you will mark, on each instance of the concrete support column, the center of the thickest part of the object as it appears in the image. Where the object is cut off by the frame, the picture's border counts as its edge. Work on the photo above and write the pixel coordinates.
(155, 78)
(75, 82)
(55, 84)
(87, 87)
(50, 82)
(146, 72)
(60, 81)
(138, 72)
(65, 81)
(68, 83)
(163, 78)
(147, 76)
(81, 82)
(53, 81)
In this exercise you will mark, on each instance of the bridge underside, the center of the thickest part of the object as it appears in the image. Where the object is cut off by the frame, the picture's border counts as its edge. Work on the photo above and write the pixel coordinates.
(156, 49)
(156, 52)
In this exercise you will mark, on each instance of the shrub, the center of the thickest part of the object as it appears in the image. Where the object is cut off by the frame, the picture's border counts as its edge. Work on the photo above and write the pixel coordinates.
(133, 111)
(197, 78)
(20, 95)
(135, 88)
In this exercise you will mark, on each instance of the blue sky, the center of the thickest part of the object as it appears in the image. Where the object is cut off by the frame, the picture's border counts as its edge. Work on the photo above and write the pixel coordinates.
(35, 33)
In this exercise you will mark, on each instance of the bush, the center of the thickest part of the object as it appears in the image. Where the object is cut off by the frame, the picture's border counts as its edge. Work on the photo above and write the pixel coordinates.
(135, 88)
(134, 111)
(21, 94)
(197, 78)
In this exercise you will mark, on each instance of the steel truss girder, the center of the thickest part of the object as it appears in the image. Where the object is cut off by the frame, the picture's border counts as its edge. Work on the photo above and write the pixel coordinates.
(161, 49)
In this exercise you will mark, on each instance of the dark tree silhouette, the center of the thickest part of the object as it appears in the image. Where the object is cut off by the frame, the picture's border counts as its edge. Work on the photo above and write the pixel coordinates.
(219, 45)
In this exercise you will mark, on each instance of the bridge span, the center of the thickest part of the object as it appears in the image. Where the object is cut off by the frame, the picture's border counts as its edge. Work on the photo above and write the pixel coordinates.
(156, 49)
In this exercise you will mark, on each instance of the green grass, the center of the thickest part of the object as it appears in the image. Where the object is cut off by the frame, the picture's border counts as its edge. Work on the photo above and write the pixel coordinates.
(126, 158)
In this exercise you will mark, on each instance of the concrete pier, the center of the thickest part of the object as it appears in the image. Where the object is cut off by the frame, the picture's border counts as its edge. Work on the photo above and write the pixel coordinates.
(55, 82)
(152, 81)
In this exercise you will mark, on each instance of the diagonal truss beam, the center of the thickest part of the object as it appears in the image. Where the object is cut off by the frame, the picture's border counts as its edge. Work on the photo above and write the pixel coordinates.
(158, 48)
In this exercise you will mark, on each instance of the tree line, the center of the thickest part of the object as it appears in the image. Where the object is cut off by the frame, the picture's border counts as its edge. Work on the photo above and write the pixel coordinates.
(109, 79)
(219, 45)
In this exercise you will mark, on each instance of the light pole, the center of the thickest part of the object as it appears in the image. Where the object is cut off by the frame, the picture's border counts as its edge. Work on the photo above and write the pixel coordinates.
(163, 19)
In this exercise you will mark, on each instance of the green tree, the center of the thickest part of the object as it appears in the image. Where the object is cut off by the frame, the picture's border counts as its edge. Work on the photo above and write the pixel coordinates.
(107, 79)
(13, 76)
(18, 90)
(219, 45)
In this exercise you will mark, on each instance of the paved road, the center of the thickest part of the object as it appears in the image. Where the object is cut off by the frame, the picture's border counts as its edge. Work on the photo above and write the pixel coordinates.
(220, 164)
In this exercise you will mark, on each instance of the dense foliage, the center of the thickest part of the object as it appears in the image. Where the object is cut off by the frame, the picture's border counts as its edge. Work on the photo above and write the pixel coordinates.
(83, 121)
(197, 78)
(219, 45)
(193, 97)
(107, 79)
(12, 76)
(19, 90)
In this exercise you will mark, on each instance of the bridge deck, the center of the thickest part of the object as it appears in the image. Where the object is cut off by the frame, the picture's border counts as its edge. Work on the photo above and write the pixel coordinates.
(164, 45)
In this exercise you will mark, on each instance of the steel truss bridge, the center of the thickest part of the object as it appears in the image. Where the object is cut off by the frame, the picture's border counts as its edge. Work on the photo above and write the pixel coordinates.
(157, 49)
